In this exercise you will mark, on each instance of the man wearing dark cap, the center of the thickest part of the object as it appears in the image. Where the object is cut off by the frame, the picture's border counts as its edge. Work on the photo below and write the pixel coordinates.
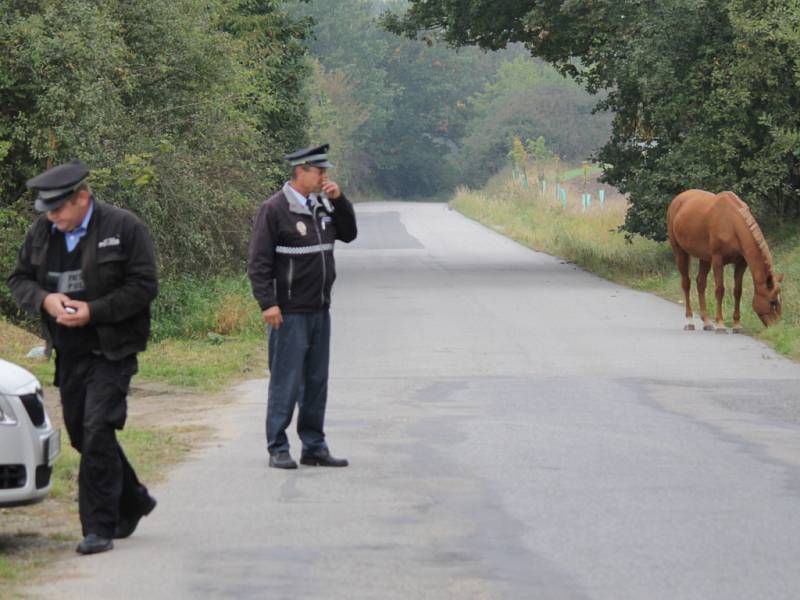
(88, 270)
(291, 270)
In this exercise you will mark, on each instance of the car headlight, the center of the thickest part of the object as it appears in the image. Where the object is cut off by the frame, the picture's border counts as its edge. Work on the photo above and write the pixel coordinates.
(34, 406)
(7, 416)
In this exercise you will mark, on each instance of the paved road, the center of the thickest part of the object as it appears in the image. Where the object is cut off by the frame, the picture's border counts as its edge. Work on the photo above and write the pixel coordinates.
(517, 429)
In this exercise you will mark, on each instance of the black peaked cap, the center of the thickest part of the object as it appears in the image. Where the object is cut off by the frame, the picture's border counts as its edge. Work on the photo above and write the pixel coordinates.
(55, 185)
(316, 156)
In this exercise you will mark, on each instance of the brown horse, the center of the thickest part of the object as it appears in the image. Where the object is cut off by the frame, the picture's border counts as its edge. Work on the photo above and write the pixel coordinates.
(719, 230)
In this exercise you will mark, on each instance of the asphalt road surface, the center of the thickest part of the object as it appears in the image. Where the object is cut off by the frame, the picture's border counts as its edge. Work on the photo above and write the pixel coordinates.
(517, 428)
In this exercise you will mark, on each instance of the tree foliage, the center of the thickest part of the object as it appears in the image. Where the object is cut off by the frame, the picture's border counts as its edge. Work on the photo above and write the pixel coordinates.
(704, 92)
(416, 119)
(181, 109)
(397, 109)
(528, 99)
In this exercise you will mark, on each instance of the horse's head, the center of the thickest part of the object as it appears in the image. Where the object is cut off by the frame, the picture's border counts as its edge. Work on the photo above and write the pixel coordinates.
(767, 300)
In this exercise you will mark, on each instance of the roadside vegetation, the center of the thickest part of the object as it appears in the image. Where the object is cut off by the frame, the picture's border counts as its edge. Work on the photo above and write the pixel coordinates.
(690, 110)
(592, 239)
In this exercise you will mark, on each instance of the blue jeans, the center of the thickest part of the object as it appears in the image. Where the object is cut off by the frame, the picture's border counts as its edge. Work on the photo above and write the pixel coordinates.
(299, 352)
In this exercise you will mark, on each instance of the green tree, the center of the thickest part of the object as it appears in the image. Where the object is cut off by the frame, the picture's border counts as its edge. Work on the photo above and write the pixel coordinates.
(336, 117)
(527, 98)
(704, 92)
(276, 64)
(415, 98)
(182, 110)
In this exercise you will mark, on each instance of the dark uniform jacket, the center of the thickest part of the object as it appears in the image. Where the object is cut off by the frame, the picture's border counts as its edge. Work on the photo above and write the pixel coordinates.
(119, 271)
(291, 252)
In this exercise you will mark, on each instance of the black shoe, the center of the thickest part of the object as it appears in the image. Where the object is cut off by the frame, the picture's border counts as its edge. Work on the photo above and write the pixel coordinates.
(93, 543)
(282, 460)
(322, 458)
(127, 525)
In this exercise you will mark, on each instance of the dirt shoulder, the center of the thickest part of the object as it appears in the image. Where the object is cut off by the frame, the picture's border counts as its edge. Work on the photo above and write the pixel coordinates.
(170, 422)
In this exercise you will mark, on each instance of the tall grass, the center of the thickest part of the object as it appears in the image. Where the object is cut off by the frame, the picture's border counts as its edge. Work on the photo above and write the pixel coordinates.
(206, 332)
(193, 306)
(591, 239)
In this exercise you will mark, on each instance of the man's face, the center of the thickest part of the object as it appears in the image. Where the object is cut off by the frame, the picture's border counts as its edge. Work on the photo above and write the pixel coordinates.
(311, 180)
(70, 215)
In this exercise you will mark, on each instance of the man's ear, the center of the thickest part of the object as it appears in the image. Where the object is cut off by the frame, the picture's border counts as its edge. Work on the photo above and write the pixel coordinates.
(81, 200)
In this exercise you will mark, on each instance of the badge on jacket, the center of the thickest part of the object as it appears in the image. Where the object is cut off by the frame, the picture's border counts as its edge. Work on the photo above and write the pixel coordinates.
(110, 241)
(301, 227)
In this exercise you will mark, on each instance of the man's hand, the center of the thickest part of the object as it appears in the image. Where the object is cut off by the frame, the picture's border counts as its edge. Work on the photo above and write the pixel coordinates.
(78, 318)
(273, 317)
(331, 189)
(54, 304)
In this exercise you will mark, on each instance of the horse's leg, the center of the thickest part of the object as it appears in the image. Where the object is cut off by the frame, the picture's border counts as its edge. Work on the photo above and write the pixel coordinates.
(738, 275)
(682, 260)
(719, 292)
(702, 280)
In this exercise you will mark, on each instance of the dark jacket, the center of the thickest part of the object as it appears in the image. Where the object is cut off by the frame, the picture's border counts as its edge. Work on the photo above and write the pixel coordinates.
(291, 252)
(119, 271)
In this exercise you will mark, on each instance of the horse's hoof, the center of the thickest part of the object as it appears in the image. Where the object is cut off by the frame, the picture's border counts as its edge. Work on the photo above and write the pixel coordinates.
(688, 327)
(721, 330)
(709, 328)
(737, 330)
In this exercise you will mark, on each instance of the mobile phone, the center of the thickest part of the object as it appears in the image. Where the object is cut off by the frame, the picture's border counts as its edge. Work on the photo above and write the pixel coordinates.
(70, 310)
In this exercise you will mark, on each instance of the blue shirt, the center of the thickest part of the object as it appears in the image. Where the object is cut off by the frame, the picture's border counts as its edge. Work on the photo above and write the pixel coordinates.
(73, 237)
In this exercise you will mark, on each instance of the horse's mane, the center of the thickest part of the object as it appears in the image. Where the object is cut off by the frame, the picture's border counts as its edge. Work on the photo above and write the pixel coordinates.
(755, 230)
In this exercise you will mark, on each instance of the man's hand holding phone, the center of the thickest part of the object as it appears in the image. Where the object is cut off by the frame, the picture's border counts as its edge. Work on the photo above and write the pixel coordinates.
(76, 314)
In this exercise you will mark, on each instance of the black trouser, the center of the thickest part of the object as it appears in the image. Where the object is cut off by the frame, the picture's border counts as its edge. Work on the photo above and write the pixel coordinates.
(94, 401)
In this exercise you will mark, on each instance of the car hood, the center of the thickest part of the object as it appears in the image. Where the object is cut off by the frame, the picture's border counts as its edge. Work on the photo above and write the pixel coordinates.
(15, 380)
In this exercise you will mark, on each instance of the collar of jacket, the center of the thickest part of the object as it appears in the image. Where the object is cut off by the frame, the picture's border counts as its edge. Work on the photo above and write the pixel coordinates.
(294, 204)
(89, 256)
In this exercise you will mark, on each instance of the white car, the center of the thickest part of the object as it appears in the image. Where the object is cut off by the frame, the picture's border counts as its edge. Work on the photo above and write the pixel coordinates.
(28, 442)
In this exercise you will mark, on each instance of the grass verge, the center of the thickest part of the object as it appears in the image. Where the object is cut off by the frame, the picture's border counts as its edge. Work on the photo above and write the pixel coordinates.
(591, 240)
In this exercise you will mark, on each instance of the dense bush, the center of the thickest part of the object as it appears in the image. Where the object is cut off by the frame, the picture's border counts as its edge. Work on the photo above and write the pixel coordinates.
(13, 227)
(182, 110)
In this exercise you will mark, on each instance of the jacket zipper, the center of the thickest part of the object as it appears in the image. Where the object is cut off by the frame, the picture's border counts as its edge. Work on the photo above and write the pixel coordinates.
(321, 254)
(291, 276)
